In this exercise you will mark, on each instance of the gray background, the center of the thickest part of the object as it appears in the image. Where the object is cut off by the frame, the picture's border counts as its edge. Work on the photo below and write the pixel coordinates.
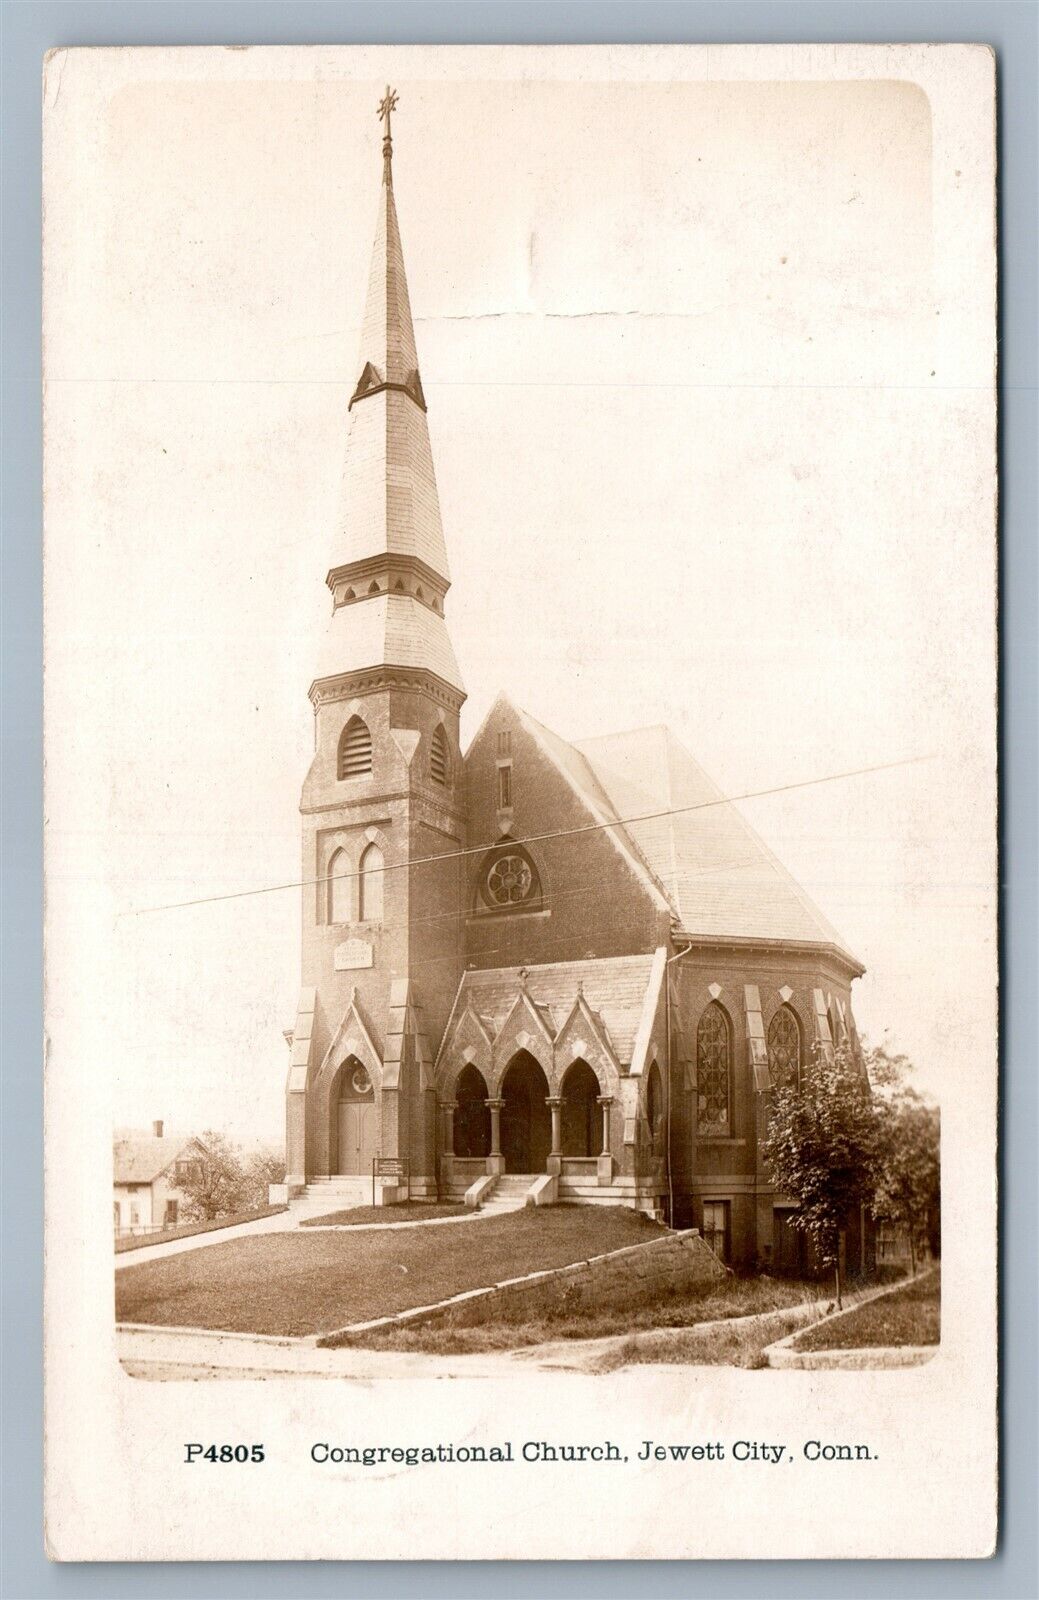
(29, 29)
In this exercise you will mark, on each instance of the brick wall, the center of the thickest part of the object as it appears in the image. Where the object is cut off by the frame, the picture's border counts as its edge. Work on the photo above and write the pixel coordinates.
(595, 902)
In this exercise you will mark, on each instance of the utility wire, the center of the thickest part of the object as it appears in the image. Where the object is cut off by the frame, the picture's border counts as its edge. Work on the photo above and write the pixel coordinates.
(535, 838)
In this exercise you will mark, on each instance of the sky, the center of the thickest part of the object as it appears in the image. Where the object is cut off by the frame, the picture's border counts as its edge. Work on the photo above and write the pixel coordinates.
(710, 407)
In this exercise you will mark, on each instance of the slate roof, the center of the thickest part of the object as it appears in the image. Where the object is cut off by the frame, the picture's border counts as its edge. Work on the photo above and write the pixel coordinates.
(614, 988)
(388, 630)
(141, 1158)
(719, 875)
(389, 498)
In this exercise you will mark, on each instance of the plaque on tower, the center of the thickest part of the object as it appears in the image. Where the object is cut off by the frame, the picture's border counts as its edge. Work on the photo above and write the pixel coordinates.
(613, 1094)
(351, 955)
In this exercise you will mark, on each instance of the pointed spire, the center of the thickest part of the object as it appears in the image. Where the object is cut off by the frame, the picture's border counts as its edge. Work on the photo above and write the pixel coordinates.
(390, 572)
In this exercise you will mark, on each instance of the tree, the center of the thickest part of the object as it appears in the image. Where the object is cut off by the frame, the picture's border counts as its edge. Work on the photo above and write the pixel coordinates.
(823, 1148)
(214, 1184)
(261, 1168)
(908, 1190)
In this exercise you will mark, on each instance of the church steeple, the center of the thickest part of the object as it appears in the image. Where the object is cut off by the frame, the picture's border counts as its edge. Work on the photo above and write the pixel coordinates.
(391, 573)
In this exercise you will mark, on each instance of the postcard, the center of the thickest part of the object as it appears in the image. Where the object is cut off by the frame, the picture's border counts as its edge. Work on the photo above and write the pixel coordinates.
(520, 656)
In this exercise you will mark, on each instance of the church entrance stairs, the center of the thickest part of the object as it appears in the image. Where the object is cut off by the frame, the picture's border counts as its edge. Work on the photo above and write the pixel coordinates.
(510, 1192)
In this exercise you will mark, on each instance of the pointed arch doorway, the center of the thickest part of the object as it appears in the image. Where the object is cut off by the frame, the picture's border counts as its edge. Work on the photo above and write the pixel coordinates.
(356, 1121)
(526, 1123)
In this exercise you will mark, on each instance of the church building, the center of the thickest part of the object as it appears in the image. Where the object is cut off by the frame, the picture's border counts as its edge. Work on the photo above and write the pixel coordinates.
(566, 969)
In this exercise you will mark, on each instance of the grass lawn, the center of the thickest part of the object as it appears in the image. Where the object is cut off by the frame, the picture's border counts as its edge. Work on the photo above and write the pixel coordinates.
(406, 1211)
(297, 1284)
(615, 1313)
(911, 1315)
(137, 1241)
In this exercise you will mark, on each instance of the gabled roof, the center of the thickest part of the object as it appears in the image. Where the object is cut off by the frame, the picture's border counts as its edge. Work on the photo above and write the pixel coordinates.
(579, 773)
(141, 1158)
(700, 858)
(614, 988)
(721, 878)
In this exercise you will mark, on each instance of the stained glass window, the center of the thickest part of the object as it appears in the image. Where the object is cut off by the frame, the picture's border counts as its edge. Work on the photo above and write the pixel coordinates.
(784, 1049)
(713, 1071)
(508, 881)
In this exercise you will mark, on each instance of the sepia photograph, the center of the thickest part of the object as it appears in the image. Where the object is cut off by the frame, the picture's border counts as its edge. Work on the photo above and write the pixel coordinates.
(521, 824)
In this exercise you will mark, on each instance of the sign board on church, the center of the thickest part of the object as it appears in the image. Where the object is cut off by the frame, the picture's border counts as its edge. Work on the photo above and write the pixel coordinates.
(394, 1169)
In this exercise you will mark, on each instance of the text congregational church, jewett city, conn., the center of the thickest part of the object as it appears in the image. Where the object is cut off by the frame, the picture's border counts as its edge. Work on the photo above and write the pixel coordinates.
(606, 1008)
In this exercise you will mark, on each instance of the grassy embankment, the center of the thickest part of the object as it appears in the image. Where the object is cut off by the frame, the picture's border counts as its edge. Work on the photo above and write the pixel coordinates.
(296, 1283)
(911, 1315)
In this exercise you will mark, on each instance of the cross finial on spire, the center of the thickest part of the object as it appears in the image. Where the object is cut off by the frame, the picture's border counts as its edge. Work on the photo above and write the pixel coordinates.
(387, 105)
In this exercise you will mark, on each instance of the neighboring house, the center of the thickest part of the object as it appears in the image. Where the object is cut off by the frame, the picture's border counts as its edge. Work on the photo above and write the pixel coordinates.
(591, 967)
(147, 1167)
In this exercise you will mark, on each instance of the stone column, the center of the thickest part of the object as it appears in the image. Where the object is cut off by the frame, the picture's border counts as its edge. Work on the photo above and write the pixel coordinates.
(554, 1165)
(604, 1166)
(495, 1161)
(445, 1156)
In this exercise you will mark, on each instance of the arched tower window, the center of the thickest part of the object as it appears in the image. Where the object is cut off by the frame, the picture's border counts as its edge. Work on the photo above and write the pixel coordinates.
(355, 750)
(784, 1049)
(338, 887)
(370, 897)
(714, 1072)
(439, 756)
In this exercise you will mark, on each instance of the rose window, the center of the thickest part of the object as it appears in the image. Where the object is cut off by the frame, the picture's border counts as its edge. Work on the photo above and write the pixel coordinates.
(509, 880)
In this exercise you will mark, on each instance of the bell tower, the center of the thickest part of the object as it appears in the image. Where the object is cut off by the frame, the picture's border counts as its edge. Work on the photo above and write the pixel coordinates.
(382, 917)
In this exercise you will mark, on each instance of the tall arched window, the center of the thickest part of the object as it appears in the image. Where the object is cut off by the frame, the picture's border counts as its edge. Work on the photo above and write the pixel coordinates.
(370, 897)
(340, 881)
(836, 1031)
(655, 1109)
(439, 756)
(714, 1072)
(784, 1049)
(355, 750)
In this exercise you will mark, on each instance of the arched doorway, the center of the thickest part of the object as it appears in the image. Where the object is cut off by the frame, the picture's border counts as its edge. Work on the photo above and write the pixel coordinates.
(356, 1126)
(526, 1124)
(582, 1116)
(472, 1119)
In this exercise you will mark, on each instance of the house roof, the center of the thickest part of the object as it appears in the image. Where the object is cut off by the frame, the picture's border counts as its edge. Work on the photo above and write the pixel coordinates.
(141, 1158)
(614, 988)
